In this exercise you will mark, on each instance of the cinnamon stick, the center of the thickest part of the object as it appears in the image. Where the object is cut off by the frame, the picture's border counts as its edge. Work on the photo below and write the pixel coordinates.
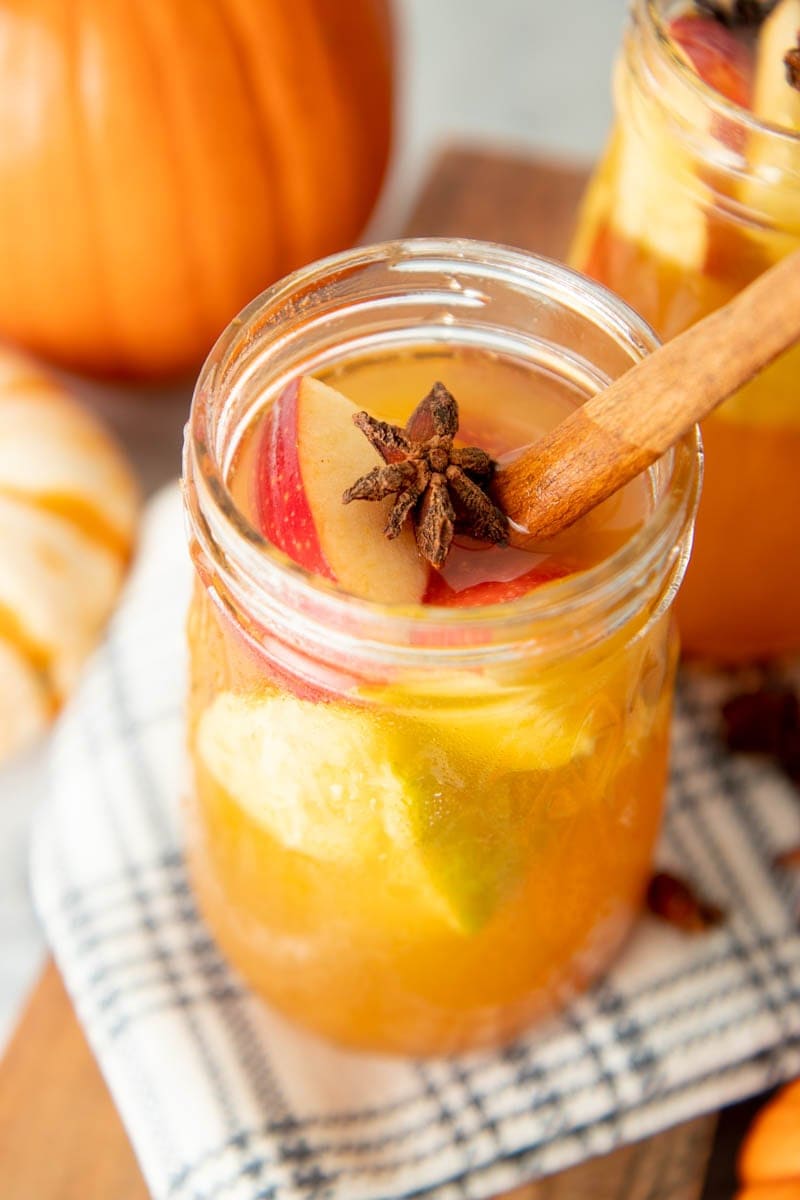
(623, 430)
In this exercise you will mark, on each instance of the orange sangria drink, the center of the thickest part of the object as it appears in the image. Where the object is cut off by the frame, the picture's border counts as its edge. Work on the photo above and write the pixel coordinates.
(427, 767)
(698, 192)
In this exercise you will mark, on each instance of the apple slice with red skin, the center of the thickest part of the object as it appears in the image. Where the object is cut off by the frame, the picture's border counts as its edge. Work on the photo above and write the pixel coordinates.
(310, 453)
(491, 591)
(717, 55)
(284, 512)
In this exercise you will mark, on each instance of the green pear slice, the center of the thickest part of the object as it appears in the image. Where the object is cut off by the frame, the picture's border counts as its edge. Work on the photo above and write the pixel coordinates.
(344, 785)
(479, 843)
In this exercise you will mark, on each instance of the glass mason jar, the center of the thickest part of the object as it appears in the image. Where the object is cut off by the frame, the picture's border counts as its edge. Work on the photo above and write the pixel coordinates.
(693, 198)
(415, 829)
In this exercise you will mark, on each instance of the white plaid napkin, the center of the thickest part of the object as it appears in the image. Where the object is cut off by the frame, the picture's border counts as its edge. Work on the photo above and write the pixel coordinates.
(223, 1100)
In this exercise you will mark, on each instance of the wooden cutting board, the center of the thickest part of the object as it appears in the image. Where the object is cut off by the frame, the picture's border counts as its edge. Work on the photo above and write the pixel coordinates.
(60, 1136)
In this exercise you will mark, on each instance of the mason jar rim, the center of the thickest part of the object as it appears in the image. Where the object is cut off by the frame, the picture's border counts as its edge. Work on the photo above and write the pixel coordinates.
(316, 607)
(650, 11)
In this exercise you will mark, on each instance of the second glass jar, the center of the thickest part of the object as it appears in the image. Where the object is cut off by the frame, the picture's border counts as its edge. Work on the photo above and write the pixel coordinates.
(694, 197)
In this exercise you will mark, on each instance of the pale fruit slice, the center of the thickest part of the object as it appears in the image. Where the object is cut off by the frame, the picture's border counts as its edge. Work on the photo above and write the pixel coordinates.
(480, 838)
(24, 707)
(771, 187)
(512, 744)
(57, 587)
(659, 203)
(314, 776)
(480, 718)
(342, 785)
(310, 453)
(774, 98)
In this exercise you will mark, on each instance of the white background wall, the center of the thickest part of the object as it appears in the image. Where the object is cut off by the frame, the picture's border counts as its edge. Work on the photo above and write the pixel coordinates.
(522, 73)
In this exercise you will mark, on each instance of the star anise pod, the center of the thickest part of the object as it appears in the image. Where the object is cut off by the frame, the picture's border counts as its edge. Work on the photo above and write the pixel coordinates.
(788, 859)
(676, 901)
(766, 721)
(737, 13)
(441, 487)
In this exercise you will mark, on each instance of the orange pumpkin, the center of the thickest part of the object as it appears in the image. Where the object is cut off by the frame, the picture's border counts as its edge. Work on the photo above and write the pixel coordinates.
(769, 1163)
(787, 1189)
(163, 161)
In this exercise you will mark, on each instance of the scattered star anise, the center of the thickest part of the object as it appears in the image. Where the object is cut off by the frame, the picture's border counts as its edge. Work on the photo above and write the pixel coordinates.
(442, 487)
(737, 13)
(788, 859)
(676, 901)
(766, 721)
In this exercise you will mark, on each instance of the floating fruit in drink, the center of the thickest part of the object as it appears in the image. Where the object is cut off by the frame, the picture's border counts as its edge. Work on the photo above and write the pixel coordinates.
(425, 788)
(310, 451)
(716, 54)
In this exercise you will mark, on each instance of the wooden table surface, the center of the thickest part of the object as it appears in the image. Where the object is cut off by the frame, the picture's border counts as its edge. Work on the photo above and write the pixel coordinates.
(60, 1136)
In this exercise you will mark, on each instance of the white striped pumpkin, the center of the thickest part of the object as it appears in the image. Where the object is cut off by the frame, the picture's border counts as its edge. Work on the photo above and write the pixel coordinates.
(68, 512)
